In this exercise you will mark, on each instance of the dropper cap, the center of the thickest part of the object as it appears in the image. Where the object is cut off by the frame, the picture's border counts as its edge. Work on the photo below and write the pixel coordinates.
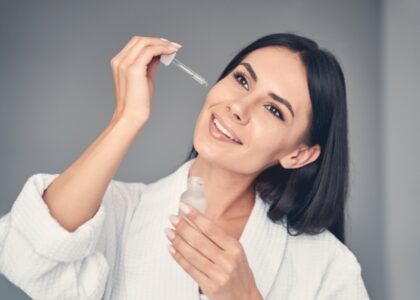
(167, 59)
(195, 182)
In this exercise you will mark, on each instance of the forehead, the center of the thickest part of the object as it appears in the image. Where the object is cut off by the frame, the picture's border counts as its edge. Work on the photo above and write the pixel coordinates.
(281, 71)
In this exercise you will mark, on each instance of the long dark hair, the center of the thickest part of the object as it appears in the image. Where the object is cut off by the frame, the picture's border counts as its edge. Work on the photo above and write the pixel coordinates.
(311, 198)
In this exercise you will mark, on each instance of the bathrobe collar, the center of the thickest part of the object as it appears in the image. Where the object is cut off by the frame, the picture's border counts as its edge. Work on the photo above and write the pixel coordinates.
(152, 273)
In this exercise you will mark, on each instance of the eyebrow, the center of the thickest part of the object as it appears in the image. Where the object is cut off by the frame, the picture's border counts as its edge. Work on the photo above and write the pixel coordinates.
(271, 94)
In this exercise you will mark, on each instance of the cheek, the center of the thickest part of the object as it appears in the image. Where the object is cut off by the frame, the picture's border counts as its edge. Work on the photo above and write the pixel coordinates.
(213, 98)
(269, 141)
(267, 135)
(221, 92)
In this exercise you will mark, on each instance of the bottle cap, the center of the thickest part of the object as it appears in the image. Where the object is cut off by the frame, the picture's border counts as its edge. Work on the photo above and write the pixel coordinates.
(166, 59)
(196, 181)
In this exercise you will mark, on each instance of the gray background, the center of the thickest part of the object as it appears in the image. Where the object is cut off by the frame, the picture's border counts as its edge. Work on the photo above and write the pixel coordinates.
(57, 96)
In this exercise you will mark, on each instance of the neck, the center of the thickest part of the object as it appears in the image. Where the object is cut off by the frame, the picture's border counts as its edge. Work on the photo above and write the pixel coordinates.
(228, 195)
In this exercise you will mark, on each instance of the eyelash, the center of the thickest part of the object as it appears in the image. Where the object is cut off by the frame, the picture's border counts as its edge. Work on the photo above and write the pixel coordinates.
(241, 74)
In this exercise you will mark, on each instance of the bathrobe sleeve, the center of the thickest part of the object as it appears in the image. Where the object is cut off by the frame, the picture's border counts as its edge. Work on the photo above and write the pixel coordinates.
(343, 280)
(45, 260)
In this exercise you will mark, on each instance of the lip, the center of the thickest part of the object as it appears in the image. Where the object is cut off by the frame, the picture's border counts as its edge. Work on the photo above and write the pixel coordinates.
(227, 127)
(216, 133)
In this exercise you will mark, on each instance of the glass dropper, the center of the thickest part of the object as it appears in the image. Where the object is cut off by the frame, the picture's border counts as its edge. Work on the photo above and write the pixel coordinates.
(167, 59)
(193, 74)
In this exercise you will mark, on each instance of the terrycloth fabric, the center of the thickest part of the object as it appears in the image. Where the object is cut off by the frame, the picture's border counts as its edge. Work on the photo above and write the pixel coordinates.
(121, 253)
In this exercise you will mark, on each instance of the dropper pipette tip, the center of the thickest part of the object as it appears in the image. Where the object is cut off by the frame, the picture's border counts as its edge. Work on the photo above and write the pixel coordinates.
(190, 72)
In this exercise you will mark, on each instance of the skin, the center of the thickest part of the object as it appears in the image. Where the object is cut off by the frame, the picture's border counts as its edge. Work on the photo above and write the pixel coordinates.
(211, 253)
(229, 169)
(76, 194)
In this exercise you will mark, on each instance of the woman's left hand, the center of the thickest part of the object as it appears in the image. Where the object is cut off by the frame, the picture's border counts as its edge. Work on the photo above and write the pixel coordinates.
(214, 259)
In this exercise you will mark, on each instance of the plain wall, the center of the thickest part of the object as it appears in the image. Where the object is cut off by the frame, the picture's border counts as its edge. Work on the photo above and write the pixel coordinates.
(57, 92)
(401, 138)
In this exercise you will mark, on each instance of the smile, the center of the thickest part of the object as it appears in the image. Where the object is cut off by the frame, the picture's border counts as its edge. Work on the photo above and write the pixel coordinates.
(221, 133)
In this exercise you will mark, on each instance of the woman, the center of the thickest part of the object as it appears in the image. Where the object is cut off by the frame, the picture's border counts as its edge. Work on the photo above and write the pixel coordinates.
(271, 146)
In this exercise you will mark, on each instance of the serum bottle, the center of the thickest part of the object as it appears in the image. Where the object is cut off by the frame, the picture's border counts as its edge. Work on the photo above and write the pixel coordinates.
(194, 195)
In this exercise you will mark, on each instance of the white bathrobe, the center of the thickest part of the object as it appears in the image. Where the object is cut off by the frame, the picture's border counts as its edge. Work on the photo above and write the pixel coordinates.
(121, 252)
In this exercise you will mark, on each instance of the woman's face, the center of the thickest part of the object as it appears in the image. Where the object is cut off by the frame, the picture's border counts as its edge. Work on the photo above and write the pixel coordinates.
(269, 129)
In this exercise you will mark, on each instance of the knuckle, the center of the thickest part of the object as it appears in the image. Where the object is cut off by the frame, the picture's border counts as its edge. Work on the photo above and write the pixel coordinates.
(132, 70)
(122, 69)
(143, 43)
(237, 251)
(113, 62)
(148, 38)
(210, 231)
(123, 66)
(230, 268)
(148, 50)
(223, 280)
(212, 288)
(136, 38)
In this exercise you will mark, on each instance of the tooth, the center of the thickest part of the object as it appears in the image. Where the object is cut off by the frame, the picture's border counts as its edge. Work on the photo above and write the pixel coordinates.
(225, 131)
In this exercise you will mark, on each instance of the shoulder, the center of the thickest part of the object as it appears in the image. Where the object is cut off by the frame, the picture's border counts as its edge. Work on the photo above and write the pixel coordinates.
(321, 267)
(315, 256)
(322, 247)
(331, 266)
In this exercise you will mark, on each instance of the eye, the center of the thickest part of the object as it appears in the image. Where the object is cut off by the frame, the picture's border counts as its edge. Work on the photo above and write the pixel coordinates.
(277, 112)
(239, 74)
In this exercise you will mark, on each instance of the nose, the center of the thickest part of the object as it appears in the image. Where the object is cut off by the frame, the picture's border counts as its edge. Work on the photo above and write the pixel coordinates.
(239, 111)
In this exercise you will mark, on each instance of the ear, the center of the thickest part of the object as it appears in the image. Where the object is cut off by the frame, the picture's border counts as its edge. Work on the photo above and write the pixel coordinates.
(302, 156)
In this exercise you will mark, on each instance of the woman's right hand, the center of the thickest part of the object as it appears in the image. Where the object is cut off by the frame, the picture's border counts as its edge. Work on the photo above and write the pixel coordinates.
(133, 70)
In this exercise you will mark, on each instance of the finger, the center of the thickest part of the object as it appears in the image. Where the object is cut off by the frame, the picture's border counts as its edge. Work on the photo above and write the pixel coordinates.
(155, 61)
(126, 57)
(199, 241)
(143, 59)
(210, 229)
(140, 43)
(132, 61)
(116, 60)
(194, 257)
(153, 67)
(199, 277)
(126, 61)
(135, 40)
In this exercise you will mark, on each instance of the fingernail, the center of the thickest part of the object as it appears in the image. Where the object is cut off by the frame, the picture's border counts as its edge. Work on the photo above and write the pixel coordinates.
(184, 208)
(176, 45)
(164, 39)
(169, 233)
(173, 48)
(174, 219)
(171, 249)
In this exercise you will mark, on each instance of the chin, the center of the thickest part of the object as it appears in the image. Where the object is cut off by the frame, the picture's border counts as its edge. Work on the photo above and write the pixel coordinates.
(205, 149)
